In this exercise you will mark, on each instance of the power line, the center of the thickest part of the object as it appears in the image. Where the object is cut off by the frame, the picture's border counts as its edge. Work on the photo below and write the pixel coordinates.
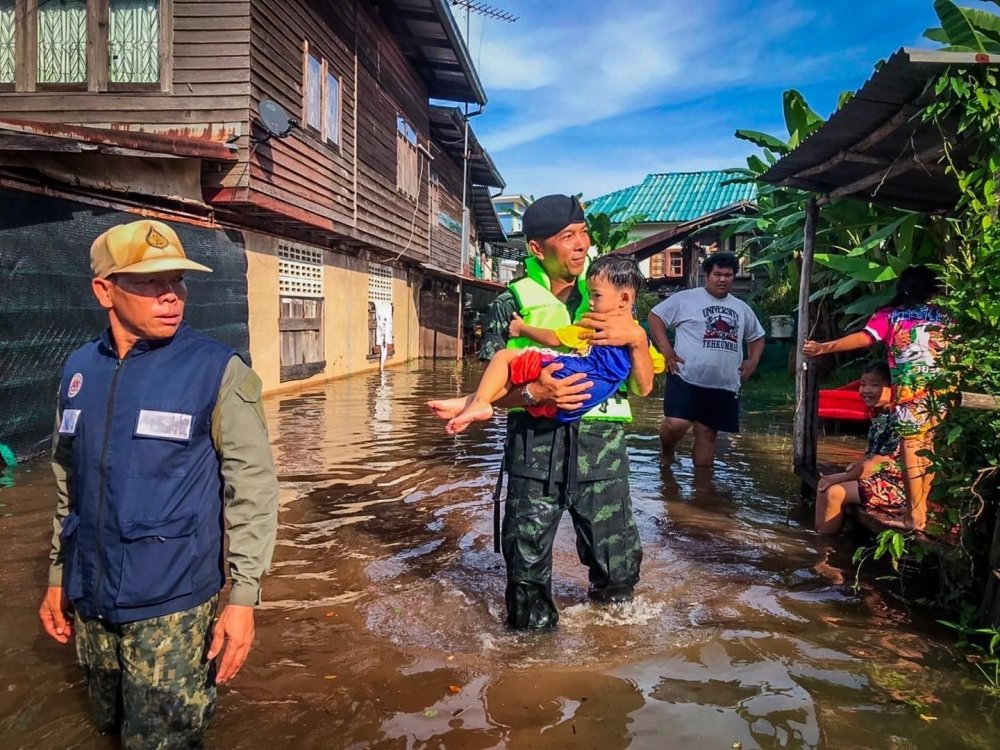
(483, 9)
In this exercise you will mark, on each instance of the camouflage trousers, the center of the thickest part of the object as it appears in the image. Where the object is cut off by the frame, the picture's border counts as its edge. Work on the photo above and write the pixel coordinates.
(150, 679)
(581, 469)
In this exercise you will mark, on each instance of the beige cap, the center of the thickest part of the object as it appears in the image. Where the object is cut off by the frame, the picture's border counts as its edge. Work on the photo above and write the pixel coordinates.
(140, 247)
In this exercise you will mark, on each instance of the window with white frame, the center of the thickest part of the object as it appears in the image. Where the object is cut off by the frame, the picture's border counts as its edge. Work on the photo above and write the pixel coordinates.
(312, 107)
(676, 263)
(331, 109)
(300, 322)
(407, 159)
(379, 296)
(321, 96)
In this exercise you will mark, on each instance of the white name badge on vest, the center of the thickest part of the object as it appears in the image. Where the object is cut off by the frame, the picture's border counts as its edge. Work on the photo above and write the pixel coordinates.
(163, 424)
(69, 419)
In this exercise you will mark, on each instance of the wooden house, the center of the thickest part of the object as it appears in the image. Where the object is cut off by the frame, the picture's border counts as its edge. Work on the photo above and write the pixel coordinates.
(168, 108)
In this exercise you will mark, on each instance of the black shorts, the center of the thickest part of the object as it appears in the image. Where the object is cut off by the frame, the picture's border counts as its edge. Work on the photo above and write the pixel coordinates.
(716, 408)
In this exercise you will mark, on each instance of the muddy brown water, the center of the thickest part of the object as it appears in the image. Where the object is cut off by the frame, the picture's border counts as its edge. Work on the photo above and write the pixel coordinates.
(383, 622)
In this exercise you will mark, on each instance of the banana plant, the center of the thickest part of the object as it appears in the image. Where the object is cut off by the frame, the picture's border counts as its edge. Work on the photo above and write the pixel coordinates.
(965, 29)
(608, 233)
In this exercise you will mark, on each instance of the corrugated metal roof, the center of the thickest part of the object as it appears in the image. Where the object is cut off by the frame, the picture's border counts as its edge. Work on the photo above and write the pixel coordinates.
(487, 222)
(869, 148)
(674, 196)
(613, 201)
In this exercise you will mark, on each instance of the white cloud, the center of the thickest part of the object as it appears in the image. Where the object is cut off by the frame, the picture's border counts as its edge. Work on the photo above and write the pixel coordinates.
(584, 68)
(604, 173)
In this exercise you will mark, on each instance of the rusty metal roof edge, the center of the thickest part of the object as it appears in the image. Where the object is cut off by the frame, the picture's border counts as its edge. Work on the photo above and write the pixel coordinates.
(133, 139)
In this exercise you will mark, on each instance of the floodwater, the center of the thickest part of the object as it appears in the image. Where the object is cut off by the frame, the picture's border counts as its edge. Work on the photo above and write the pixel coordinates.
(383, 623)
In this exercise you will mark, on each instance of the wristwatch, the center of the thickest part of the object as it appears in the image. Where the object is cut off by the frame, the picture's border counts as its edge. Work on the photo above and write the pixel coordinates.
(526, 396)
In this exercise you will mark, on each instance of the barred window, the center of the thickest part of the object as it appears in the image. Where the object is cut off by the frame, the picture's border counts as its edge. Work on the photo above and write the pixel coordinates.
(100, 45)
(7, 37)
(62, 41)
(134, 41)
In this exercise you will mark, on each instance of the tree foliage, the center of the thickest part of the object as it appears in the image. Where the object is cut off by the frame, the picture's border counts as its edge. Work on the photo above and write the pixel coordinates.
(860, 247)
(608, 233)
(966, 457)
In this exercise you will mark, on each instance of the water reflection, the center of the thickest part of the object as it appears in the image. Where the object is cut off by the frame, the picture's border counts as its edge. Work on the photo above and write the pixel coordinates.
(383, 624)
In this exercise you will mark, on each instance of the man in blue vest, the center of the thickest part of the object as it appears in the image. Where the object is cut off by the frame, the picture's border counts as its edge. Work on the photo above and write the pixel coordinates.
(160, 448)
(580, 467)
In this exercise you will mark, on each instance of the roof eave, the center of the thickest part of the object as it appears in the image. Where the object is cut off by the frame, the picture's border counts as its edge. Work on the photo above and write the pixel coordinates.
(461, 52)
(457, 120)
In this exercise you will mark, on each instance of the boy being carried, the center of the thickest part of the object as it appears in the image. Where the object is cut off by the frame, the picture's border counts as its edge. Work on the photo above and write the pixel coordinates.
(613, 283)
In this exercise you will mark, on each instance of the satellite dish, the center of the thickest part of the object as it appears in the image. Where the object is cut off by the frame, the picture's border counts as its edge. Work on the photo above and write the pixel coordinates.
(274, 120)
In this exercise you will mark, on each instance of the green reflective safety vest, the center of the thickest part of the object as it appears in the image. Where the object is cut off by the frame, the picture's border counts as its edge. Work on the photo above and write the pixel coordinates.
(540, 308)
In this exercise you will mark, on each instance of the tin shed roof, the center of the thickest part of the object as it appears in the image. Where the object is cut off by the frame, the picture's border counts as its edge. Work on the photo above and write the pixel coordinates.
(876, 147)
(674, 196)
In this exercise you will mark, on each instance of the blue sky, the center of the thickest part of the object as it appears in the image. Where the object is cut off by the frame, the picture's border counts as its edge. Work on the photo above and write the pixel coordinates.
(591, 95)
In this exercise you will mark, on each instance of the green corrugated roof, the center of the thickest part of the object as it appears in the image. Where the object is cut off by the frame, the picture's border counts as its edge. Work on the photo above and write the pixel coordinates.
(674, 196)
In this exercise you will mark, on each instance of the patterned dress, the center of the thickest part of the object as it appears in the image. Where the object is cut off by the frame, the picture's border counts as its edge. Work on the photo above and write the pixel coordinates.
(883, 490)
(914, 338)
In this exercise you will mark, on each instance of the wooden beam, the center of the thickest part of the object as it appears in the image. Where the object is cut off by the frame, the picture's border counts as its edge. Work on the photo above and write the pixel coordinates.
(805, 422)
(979, 401)
(873, 138)
(842, 157)
(898, 167)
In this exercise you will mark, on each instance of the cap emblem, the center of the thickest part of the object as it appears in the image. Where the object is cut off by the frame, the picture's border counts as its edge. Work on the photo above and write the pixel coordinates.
(155, 239)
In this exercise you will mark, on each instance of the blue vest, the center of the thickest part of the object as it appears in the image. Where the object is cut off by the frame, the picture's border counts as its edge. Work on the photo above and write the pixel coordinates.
(145, 530)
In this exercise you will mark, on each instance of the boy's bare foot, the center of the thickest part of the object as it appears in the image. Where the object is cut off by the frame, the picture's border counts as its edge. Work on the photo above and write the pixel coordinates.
(476, 411)
(449, 408)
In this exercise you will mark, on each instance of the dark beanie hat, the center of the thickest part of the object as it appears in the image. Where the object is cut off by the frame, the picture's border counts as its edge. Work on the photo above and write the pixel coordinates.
(550, 214)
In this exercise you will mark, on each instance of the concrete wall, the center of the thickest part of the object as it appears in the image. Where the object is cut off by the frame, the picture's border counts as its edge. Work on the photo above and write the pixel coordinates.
(345, 314)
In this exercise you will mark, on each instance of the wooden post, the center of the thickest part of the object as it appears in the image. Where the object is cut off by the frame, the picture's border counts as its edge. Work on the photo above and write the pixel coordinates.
(460, 353)
(692, 263)
(805, 434)
(991, 596)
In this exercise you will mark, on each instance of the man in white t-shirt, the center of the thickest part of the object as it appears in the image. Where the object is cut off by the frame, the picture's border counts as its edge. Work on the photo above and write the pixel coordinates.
(705, 366)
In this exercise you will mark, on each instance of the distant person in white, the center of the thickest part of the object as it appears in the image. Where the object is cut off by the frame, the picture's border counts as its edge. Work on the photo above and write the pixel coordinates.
(705, 365)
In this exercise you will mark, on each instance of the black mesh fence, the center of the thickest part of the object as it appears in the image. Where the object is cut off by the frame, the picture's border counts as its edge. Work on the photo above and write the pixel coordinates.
(47, 309)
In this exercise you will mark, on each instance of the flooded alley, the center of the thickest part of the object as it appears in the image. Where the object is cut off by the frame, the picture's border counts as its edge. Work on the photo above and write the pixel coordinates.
(383, 621)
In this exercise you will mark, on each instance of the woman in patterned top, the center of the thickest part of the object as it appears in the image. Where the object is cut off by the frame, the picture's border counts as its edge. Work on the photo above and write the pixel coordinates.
(913, 330)
(875, 483)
